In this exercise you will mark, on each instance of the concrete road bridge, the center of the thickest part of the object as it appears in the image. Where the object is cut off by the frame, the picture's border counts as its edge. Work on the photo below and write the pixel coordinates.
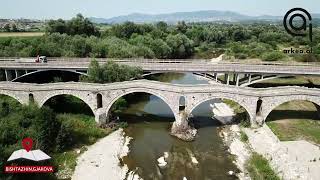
(100, 97)
(227, 73)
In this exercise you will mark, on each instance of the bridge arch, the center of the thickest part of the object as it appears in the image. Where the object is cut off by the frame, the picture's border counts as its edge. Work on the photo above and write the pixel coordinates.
(268, 107)
(88, 99)
(47, 70)
(12, 95)
(249, 110)
(120, 94)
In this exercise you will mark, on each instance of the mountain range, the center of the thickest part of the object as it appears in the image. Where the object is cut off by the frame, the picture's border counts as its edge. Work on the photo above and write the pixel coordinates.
(195, 16)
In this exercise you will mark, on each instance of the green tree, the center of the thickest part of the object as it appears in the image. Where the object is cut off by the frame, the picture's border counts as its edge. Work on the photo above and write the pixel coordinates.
(162, 26)
(58, 26)
(240, 35)
(78, 25)
(111, 72)
(14, 28)
(182, 27)
(7, 28)
(80, 47)
(181, 46)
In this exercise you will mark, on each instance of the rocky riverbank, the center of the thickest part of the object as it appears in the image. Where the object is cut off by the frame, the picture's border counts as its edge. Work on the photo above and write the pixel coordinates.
(103, 159)
(240, 150)
(290, 159)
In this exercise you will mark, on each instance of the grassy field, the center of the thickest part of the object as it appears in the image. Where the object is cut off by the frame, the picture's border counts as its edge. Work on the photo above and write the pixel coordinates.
(21, 34)
(259, 168)
(295, 120)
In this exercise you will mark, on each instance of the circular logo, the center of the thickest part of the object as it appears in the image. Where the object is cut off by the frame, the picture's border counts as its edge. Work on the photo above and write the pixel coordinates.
(301, 28)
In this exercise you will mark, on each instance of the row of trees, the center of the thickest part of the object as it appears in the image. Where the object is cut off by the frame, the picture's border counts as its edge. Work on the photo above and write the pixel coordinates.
(76, 26)
(57, 45)
(10, 28)
(81, 38)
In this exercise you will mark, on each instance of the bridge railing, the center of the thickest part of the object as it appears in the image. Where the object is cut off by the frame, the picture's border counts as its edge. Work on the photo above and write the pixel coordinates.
(205, 61)
(56, 60)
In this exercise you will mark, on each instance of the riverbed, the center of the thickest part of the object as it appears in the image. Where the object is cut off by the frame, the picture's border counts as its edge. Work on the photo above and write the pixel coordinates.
(149, 121)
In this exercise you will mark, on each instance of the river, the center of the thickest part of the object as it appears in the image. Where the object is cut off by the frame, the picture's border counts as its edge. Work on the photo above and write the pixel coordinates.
(150, 120)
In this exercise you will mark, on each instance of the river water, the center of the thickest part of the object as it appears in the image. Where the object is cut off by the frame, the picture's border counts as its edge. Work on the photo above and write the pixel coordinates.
(150, 120)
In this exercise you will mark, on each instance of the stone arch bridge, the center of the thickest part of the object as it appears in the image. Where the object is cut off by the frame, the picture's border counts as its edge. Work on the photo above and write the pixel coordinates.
(100, 97)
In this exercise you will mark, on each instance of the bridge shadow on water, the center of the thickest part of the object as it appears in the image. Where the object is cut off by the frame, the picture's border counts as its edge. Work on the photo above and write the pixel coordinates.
(204, 121)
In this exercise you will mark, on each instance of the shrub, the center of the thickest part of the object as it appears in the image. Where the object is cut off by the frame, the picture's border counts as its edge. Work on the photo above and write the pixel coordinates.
(273, 56)
(241, 56)
(259, 168)
(64, 138)
(243, 137)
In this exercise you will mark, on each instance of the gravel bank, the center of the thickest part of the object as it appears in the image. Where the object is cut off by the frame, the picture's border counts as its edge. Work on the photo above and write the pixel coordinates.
(102, 159)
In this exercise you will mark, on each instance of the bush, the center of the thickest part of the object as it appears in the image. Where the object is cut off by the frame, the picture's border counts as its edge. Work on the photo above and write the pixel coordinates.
(111, 72)
(259, 168)
(241, 56)
(306, 58)
(64, 138)
(273, 56)
(243, 137)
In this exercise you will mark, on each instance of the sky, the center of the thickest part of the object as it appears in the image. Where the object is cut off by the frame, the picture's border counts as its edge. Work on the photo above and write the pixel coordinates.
(66, 9)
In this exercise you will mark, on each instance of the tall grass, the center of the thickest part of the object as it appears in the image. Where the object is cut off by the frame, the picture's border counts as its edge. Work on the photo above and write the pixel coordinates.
(259, 168)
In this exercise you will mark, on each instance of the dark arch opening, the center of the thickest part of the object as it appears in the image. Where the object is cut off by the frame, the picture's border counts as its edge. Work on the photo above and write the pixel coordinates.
(295, 120)
(294, 110)
(140, 106)
(214, 112)
(7, 105)
(99, 100)
(31, 98)
(259, 103)
(49, 77)
(182, 103)
(68, 104)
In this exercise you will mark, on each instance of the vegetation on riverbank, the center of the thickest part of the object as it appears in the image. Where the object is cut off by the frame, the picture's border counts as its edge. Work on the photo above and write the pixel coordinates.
(297, 130)
(295, 120)
(81, 38)
(81, 131)
(259, 168)
(62, 135)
